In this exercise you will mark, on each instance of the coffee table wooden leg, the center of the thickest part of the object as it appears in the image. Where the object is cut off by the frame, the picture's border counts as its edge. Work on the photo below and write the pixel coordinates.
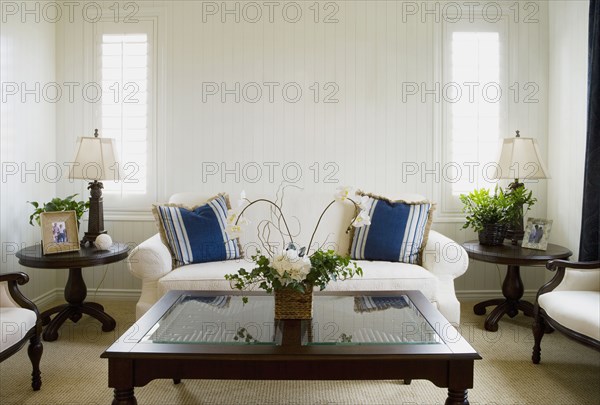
(457, 397)
(124, 397)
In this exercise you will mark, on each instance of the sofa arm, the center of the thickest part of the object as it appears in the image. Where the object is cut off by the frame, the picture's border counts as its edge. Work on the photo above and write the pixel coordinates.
(150, 260)
(444, 257)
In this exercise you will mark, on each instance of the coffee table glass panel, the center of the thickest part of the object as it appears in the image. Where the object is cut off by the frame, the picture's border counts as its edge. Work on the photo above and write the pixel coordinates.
(366, 320)
(223, 320)
(337, 320)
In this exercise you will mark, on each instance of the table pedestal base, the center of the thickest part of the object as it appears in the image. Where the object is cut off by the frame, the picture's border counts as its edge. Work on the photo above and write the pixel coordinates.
(75, 293)
(503, 307)
(511, 304)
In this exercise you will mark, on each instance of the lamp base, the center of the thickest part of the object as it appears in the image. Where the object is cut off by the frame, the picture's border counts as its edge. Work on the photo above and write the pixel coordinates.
(90, 237)
(95, 215)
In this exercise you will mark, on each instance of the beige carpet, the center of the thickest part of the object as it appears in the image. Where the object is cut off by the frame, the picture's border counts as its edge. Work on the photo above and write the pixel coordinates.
(73, 373)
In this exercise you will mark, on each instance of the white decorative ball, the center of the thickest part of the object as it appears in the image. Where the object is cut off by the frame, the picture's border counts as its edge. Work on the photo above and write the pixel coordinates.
(103, 242)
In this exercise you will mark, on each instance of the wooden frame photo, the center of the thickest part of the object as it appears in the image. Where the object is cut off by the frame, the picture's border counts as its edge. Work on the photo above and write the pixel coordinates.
(537, 232)
(59, 232)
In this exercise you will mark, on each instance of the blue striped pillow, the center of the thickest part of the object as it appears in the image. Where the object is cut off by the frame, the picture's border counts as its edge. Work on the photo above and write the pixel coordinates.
(398, 232)
(197, 235)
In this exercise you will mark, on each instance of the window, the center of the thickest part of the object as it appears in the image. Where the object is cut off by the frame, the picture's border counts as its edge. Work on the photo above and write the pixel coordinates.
(125, 67)
(475, 116)
(474, 107)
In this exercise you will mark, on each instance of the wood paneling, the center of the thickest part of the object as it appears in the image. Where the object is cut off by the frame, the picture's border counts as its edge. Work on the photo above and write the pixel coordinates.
(27, 141)
(366, 136)
(567, 118)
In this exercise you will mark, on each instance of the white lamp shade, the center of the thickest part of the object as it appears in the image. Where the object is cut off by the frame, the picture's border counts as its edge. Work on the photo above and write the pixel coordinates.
(520, 158)
(96, 159)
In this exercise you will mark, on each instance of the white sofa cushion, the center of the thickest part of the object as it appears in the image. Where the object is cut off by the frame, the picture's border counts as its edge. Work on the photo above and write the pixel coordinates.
(377, 276)
(14, 324)
(380, 276)
(200, 276)
(576, 310)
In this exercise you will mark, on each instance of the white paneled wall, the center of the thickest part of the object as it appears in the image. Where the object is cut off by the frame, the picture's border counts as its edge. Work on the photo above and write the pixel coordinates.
(27, 141)
(363, 138)
(567, 118)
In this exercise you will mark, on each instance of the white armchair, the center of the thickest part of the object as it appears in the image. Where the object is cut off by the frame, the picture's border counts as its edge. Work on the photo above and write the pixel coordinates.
(19, 322)
(569, 303)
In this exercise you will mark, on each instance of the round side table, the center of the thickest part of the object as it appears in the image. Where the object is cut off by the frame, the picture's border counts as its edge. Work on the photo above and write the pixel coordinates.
(513, 256)
(75, 289)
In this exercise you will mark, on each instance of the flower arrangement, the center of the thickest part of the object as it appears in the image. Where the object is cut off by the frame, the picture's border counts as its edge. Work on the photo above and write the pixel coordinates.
(293, 268)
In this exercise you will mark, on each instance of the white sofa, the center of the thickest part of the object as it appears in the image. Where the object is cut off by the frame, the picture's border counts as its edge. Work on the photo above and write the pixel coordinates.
(443, 261)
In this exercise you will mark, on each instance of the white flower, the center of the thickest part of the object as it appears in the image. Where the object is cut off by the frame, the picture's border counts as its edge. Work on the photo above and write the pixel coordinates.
(234, 231)
(363, 219)
(232, 216)
(365, 203)
(291, 267)
(342, 193)
(243, 201)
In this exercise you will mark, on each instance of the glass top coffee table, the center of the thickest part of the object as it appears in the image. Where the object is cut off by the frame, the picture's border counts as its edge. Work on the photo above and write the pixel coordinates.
(352, 336)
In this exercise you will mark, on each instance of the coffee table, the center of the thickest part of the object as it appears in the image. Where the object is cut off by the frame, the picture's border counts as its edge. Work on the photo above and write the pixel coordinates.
(352, 336)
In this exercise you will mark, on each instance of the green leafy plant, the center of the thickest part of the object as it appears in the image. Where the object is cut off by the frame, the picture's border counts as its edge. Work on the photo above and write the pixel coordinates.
(518, 201)
(483, 208)
(59, 204)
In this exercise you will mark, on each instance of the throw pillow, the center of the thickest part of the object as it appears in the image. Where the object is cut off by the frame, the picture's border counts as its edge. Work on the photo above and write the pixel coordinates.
(398, 231)
(196, 235)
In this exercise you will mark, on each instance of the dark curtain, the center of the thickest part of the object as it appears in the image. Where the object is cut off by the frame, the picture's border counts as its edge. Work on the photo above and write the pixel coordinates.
(589, 248)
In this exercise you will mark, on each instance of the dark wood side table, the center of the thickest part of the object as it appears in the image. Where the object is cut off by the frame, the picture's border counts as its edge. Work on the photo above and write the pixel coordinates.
(513, 256)
(75, 289)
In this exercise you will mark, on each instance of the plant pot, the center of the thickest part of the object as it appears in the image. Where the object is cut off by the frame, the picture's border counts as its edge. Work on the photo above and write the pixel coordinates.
(492, 234)
(291, 304)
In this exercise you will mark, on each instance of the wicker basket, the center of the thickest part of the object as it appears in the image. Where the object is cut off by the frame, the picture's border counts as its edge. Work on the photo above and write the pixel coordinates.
(291, 304)
(492, 235)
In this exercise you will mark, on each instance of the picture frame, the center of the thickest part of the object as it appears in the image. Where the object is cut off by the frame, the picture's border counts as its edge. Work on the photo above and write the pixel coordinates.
(59, 232)
(537, 232)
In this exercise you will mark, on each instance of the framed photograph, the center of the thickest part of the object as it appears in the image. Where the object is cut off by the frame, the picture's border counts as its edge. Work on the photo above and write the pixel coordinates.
(536, 235)
(59, 232)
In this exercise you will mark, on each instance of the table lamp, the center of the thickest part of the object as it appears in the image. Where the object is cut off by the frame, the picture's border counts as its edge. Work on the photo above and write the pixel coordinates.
(519, 157)
(96, 159)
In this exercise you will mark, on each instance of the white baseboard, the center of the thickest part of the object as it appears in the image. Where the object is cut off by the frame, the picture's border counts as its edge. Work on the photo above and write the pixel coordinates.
(480, 295)
(48, 297)
(105, 294)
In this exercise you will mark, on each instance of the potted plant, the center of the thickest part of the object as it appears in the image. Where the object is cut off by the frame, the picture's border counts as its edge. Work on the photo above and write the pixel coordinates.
(488, 214)
(292, 273)
(59, 204)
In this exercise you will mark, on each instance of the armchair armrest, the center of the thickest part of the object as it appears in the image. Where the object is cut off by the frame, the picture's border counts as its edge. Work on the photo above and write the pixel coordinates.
(150, 260)
(444, 257)
(558, 263)
(560, 266)
(13, 281)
